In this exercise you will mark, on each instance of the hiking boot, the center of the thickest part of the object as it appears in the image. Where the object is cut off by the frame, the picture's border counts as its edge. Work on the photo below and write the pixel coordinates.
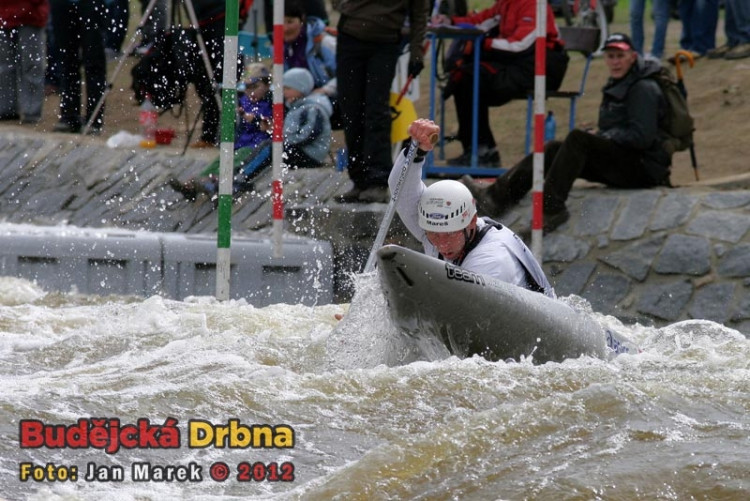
(738, 51)
(201, 143)
(349, 197)
(718, 52)
(486, 203)
(67, 127)
(489, 158)
(552, 221)
(188, 189)
(375, 195)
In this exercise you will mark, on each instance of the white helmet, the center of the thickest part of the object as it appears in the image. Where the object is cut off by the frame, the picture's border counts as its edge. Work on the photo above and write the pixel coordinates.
(446, 206)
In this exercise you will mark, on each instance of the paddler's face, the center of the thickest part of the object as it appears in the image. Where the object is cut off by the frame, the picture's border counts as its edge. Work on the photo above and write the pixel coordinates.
(450, 244)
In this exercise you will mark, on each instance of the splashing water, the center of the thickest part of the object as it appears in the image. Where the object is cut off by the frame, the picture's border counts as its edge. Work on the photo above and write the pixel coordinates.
(376, 415)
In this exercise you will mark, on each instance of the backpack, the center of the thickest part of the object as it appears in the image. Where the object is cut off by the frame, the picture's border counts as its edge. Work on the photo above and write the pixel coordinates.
(164, 72)
(678, 125)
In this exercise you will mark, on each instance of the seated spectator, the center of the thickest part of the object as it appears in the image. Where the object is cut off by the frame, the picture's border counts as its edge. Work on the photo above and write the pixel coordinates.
(307, 139)
(307, 44)
(506, 69)
(254, 108)
(737, 30)
(22, 54)
(313, 8)
(626, 152)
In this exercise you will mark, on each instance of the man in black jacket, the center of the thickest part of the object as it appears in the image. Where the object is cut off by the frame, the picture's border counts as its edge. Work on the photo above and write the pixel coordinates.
(625, 152)
(370, 36)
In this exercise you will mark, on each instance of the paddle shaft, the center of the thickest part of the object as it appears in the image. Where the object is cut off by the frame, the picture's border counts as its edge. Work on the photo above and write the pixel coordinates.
(391, 209)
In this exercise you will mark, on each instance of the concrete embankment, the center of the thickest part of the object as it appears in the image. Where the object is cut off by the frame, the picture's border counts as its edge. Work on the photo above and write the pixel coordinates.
(652, 256)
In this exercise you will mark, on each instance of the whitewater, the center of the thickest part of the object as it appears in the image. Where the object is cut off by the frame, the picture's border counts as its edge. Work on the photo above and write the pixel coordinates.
(375, 415)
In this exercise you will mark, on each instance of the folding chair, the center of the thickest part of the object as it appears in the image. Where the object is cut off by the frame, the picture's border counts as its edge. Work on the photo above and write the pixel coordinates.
(577, 39)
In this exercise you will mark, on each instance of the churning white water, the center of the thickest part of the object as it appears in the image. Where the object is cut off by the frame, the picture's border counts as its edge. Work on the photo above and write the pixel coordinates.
(373, 415)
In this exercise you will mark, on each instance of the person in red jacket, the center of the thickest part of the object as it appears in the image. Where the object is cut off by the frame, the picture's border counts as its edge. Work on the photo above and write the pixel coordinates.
(22, 56)
(506, 69)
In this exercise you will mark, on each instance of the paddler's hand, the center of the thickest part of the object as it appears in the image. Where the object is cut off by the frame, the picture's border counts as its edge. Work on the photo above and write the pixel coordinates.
(425, 133)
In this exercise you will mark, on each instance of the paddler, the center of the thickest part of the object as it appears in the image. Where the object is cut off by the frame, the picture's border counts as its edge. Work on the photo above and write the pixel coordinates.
(443, 216)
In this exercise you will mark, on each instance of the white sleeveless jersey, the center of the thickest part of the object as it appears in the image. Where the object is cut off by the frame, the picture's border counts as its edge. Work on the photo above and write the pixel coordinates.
(500, 254)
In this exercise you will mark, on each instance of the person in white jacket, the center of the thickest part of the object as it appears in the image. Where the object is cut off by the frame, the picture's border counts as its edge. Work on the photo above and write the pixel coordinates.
(444, 218)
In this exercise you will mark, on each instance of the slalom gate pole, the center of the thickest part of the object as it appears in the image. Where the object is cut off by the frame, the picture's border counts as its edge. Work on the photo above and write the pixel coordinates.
(277, 189)
(226, 150)
(540, 83)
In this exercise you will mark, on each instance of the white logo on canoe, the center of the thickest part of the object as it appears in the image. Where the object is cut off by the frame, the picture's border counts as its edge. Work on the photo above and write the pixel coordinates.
(456, 273)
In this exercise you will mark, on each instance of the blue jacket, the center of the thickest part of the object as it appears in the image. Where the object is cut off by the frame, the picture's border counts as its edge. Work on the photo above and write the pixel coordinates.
(319, 51)
(307, 125)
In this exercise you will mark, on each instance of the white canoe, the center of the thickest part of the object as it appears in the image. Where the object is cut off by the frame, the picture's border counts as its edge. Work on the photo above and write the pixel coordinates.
(474, 314)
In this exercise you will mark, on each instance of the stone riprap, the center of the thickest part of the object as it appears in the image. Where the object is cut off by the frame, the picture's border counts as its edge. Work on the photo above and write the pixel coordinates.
(652, 256)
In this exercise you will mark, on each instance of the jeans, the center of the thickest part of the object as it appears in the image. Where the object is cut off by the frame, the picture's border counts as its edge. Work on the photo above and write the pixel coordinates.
(699, 20)
(661, 19)
(737, 22)
(22, 71)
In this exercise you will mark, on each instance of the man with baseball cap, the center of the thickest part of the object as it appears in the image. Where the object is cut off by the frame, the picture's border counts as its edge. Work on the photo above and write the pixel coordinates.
(624, 152)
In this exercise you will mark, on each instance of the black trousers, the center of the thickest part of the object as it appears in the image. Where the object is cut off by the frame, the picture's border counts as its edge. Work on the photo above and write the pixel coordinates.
(580, 155)
(365, 71)
(213, 38)
(79, 35)
(499, 83)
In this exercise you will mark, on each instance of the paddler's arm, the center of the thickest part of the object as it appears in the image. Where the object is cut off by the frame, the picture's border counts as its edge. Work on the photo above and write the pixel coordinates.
(424, 132)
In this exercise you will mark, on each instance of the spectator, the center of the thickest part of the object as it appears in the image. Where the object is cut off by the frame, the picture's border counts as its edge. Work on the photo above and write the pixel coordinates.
(22, 55)
(210, 15)
(307, 139)
(307, 44)
(118, 15)
(311, 8)
(737, 30)
(699, 20)
(255, 108)
(506, 70)
(661, 20)
(52, 72)
(78, 27)
(626, 152)
(443, 217)
(369, 44)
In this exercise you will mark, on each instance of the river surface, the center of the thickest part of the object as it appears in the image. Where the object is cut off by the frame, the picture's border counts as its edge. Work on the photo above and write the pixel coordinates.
(373, 415)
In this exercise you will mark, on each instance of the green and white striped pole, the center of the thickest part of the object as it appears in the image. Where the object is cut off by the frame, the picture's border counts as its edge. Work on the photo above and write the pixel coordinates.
(226, 150)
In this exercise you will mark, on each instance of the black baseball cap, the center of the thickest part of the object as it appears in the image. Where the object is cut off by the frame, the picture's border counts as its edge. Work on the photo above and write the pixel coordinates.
(619, 41)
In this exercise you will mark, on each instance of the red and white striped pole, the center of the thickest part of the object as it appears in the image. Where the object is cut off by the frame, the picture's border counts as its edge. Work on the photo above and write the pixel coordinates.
(540, 84)
(277, 189)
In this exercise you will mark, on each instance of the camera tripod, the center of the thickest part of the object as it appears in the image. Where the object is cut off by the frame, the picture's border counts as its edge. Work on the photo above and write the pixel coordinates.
(171, 16)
